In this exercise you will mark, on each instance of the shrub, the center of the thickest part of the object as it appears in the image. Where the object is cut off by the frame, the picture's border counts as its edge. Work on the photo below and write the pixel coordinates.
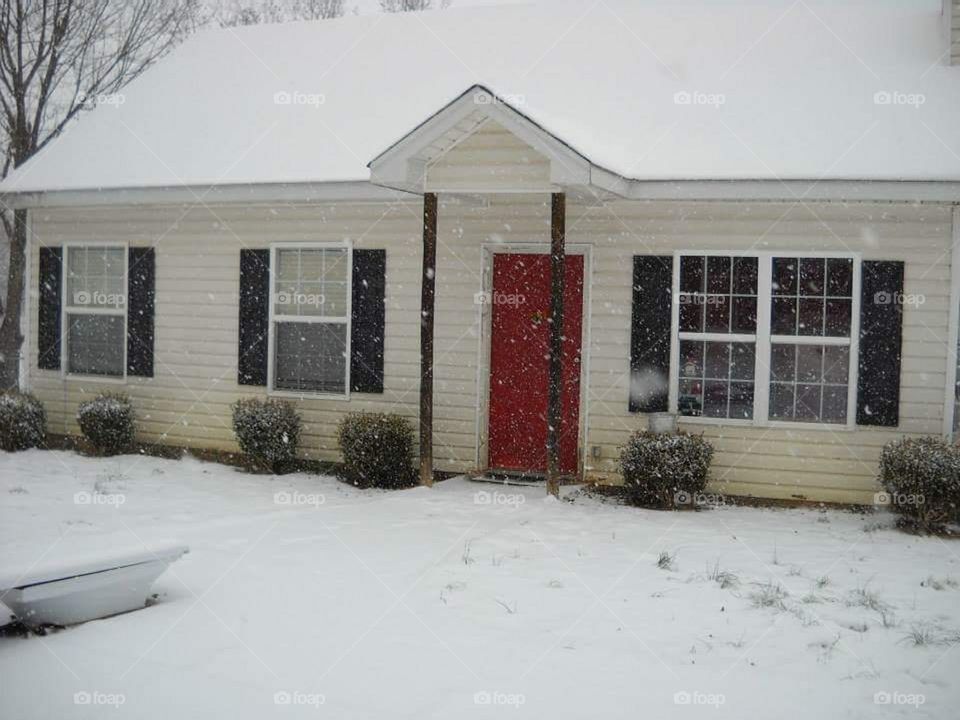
(663, 471)
(377, 450)
(268, 432)
(921, 477)
(108, 422)
(23, 422)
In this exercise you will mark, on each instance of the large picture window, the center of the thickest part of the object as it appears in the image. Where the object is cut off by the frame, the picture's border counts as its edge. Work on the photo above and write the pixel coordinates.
(310, 326)
(95, 310)
(765, 337)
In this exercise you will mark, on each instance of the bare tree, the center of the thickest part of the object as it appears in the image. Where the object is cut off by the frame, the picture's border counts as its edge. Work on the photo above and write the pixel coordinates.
(257, 12)
(395, 6)
(58, 57)
(318, 9)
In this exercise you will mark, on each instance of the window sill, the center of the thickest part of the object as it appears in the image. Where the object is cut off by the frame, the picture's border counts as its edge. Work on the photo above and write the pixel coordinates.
(293, 395)
(72, 377)
(770, 424)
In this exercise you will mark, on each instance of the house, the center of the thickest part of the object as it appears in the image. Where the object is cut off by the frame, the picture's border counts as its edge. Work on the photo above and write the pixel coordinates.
(754, 207)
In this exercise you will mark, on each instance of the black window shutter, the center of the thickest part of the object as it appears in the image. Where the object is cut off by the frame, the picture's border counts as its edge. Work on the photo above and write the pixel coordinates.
(254, 317)
(881, 334)
(141, 294)
(650, 333)
(48, 328)
(367, 321)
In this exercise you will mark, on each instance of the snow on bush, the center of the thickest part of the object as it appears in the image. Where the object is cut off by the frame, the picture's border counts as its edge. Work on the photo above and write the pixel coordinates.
(108, 422)
(268, 432)
(377, 450)
(665, 470)
(23, 422)
(921, 480)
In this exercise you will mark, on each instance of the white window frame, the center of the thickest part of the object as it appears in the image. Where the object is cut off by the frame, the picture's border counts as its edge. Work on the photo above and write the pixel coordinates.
(65, 310)
(347, 320)
(764, 340)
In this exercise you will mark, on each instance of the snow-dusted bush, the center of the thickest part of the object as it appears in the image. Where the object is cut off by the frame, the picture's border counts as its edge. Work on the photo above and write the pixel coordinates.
(921, 482)
(268, 432)
(108, 422)
(665, 470)
(23, 422)
(377, 450)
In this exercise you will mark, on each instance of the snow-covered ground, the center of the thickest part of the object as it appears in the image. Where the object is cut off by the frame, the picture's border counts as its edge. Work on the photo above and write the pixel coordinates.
(302, 597)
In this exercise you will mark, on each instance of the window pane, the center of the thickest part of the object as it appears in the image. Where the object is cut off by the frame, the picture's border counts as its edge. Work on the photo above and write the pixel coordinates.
(718, 360)
(809, 363)
(95, 345)
(310, 357)
(836, 365)
(745, 276)
(784, 276)
(741, 401)
(692, 274)
(715, 399)
(718, 314)
(691, 313)
(690, 398)
(691, 359)
(783, 317)
(808, 403)
(781, 401)
(838, 318)
(718, 275)
(835, 404)
(810, 318)
(812, 276)
(742, 361)
(783, 362)
(744, 315)
(840, 277)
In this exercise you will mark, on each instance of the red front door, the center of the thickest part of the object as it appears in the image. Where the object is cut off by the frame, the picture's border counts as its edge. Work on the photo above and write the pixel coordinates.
(519, 362)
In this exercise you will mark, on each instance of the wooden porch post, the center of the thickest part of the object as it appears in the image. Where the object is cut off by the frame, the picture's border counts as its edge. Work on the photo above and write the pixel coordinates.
(558, 216)
(427, 295)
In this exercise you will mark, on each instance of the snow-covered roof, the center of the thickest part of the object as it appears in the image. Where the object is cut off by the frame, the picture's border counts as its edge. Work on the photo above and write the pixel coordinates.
(646, 89)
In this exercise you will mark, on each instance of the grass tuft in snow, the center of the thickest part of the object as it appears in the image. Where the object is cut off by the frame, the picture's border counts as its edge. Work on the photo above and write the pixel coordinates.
(666, 561)
(726, 579)
(939, 583)
(921, 635)
(862, 596)
(769, 595)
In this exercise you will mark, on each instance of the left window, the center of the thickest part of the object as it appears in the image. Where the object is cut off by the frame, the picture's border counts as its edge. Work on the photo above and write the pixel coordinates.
(95, 310)
(310, 308)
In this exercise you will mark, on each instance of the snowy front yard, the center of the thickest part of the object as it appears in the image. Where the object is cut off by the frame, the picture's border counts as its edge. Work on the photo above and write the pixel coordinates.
(302, 597)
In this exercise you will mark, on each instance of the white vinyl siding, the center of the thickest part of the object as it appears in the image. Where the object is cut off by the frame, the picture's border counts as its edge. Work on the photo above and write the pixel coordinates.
(188, 401)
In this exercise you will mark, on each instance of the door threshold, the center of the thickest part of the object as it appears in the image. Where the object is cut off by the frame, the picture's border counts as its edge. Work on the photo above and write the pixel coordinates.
(519, 478)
